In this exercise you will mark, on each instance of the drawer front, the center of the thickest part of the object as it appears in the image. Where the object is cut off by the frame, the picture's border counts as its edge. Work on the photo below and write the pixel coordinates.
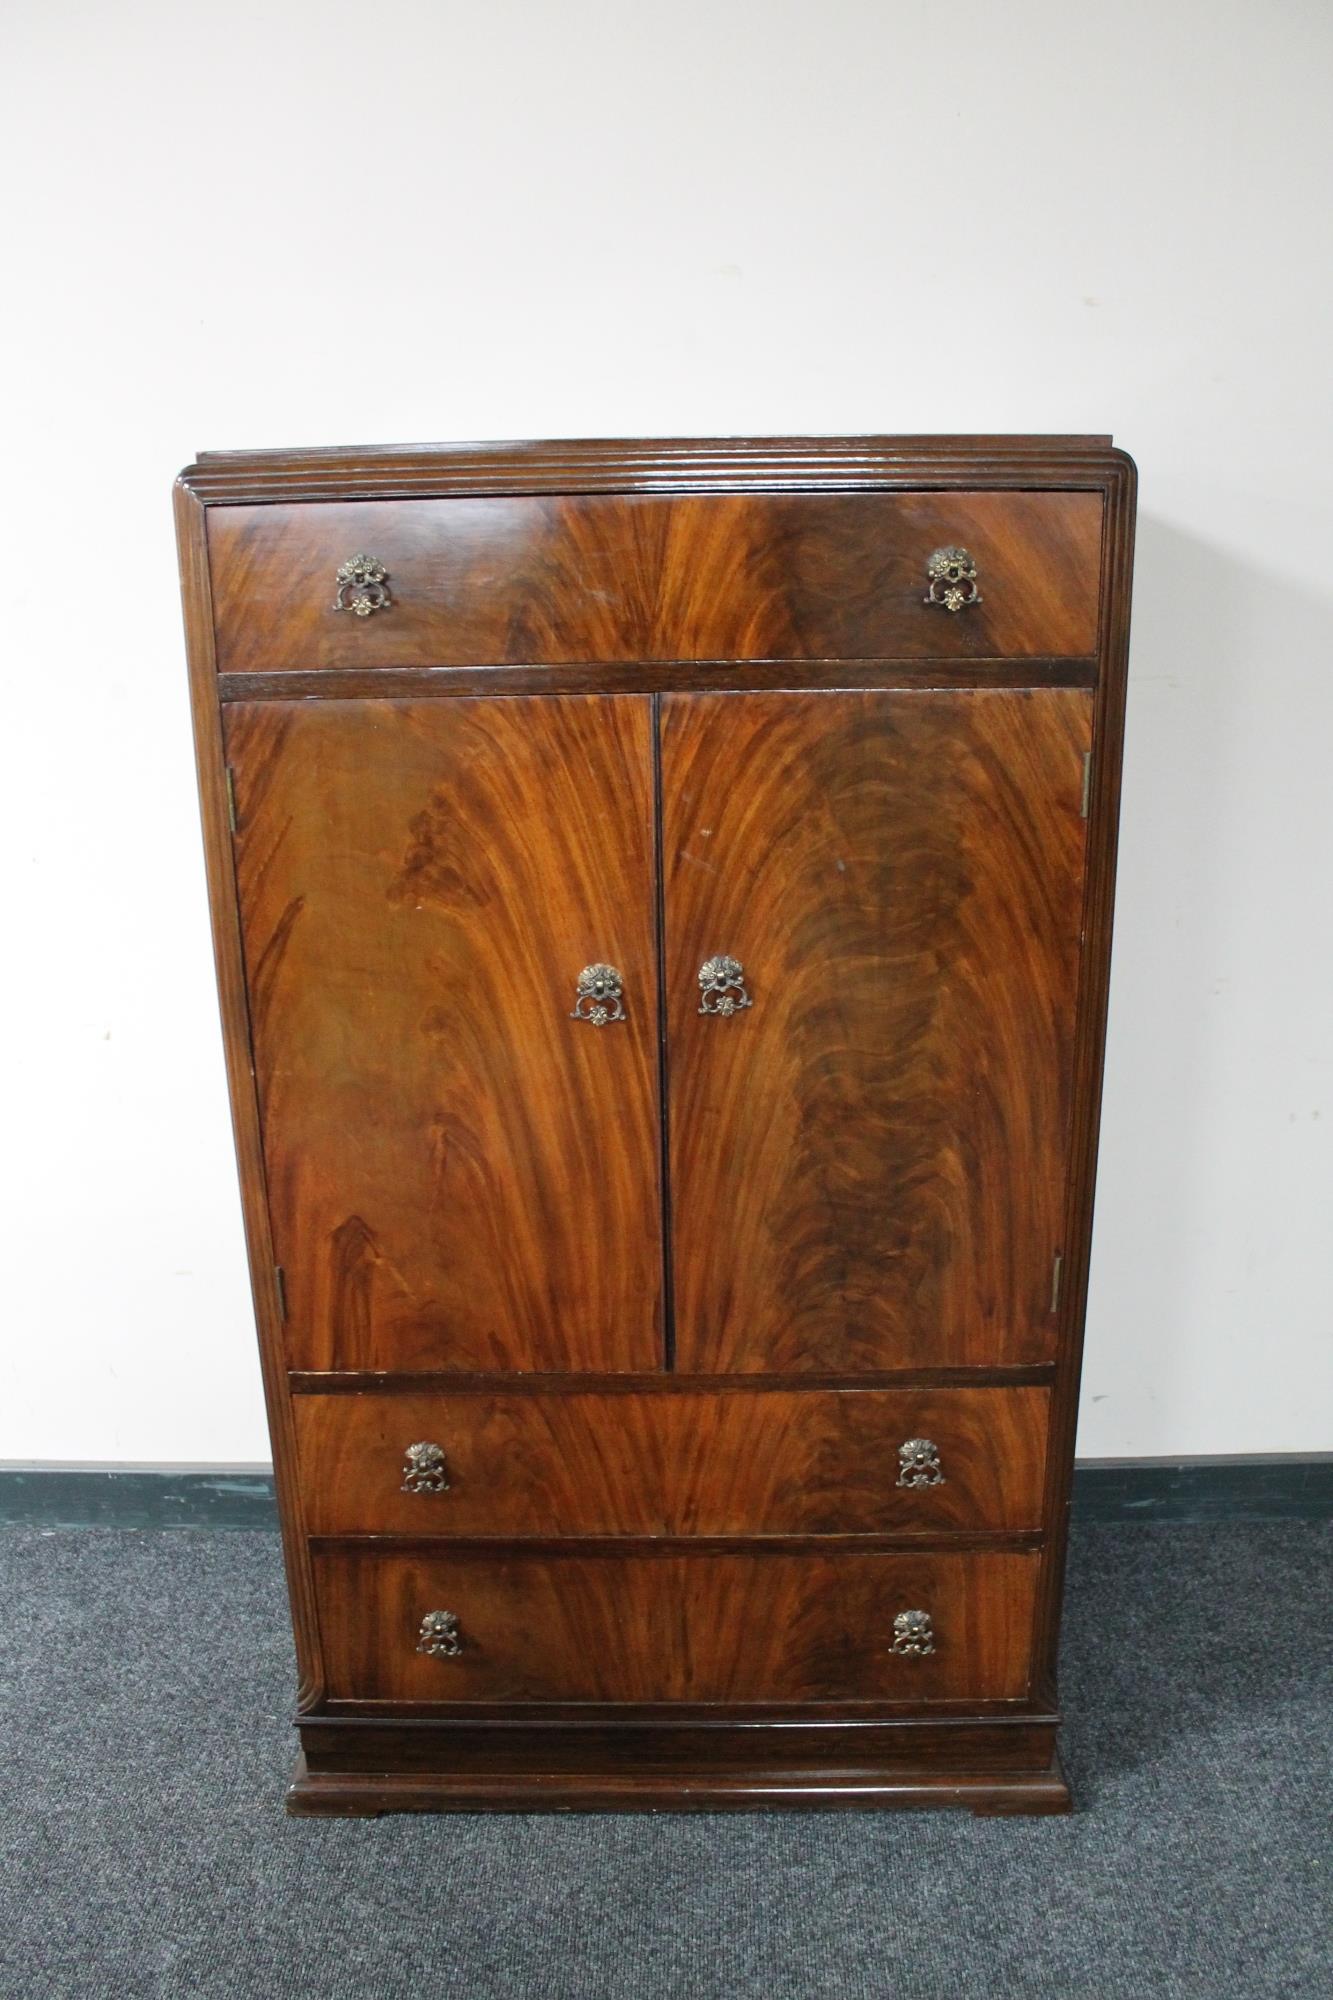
(677, 1462)
(750, 1627)
(616, 578)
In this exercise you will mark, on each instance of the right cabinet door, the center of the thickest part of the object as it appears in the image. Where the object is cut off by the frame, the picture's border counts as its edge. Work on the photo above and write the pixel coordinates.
(869, 1121)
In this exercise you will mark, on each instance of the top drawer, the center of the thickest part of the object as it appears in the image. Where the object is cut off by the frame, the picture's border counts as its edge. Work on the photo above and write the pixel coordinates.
(619, 578)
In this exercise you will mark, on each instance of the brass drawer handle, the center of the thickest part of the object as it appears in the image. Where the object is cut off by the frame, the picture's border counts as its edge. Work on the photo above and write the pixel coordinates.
(439, 1635)
(722, 986)
(953, 580)
(598, 998)
(365, 577)
(912, 1634)
(425, 1471)
(919, 1463)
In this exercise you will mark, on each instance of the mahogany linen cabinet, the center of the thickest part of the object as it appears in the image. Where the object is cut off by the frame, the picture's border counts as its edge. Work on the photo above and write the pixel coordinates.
(661, 895)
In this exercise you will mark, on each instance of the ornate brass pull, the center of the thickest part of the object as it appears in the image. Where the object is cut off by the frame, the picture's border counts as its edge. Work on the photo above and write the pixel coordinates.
(425, 1470)
(722, 986)
(912, 1634)
(919, 1463)
(440, 1635)
(365, 577)
(953, 579)
(598, 997)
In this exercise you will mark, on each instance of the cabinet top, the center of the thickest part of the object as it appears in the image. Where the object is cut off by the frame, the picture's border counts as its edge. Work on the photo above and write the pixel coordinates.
(683, 465)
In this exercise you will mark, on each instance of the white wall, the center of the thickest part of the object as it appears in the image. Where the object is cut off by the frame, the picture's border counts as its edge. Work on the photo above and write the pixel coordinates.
(293, 223)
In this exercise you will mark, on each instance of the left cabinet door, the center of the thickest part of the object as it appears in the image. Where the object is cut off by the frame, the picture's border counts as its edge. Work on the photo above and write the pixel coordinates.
(461, 1174)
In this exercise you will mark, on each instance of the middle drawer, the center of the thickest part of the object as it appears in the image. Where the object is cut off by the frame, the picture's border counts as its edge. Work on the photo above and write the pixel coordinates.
(671, 1461)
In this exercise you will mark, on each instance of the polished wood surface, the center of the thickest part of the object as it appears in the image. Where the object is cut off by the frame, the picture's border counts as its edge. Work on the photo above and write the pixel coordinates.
(915, 1778)
(616, 1760)
(494, 581)
(688, 1463)
(459, 1174)
(389, 1382)
(886, 1127)
(822, 583)
(651, 677)
(1104, 773)
(812, 1626)
(233, 1002)
(556, 1736)
(1082, 463)
(319, 1794)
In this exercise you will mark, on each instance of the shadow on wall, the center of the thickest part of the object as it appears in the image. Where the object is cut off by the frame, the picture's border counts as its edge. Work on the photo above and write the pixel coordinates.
(1203, 1263)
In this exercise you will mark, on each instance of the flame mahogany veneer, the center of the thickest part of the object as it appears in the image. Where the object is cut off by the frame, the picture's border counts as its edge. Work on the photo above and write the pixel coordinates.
(677, 1409)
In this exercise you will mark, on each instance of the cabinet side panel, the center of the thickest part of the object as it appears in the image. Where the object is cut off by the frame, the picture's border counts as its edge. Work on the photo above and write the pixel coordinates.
(1103, 825)
(197, 604)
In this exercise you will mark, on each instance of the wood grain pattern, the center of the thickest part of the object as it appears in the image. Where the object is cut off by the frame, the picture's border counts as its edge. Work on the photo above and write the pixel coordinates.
(667, 1627)
(584, 1761)
(1090, 1050)
(609, 1760)
(363, 1382)
(687, 1463)
(315, 1794)
(651, 677)
(459, 1175)
(229, 961)
(658, 465)
(569, 1737)
(494, 581)
(916, 1777)
(886, 1128)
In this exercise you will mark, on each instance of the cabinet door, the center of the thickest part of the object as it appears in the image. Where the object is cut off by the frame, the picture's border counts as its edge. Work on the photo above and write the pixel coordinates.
(868, 1159)
(460, 1175)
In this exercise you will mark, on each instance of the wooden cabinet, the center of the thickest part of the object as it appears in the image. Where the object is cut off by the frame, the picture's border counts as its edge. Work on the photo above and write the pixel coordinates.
(662, 906)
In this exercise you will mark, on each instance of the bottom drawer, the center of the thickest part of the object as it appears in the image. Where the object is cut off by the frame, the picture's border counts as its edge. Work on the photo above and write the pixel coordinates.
(672, 1626)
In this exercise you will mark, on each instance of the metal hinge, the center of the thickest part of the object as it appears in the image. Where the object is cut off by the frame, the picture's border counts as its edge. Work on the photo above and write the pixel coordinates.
(1087, 783)
(280, 1287)
(1057, 1272)
(231, 801)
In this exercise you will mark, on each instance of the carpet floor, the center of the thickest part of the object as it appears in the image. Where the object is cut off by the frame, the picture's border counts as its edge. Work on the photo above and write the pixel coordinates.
(144, 1850)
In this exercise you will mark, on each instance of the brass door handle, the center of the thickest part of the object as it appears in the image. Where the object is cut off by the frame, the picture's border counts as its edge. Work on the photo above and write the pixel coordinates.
(953, 580)
(366, 578)
(599, 996)
(425, 1471)
(440, 1635)
(722, 986)
(919, 1463)
(912, 1634)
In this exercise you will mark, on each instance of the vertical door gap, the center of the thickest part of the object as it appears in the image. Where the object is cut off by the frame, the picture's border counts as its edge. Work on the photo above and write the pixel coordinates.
(664, 1107)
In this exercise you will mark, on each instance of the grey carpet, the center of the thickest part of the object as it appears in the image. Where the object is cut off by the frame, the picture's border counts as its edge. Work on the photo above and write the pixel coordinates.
(148, 1680)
